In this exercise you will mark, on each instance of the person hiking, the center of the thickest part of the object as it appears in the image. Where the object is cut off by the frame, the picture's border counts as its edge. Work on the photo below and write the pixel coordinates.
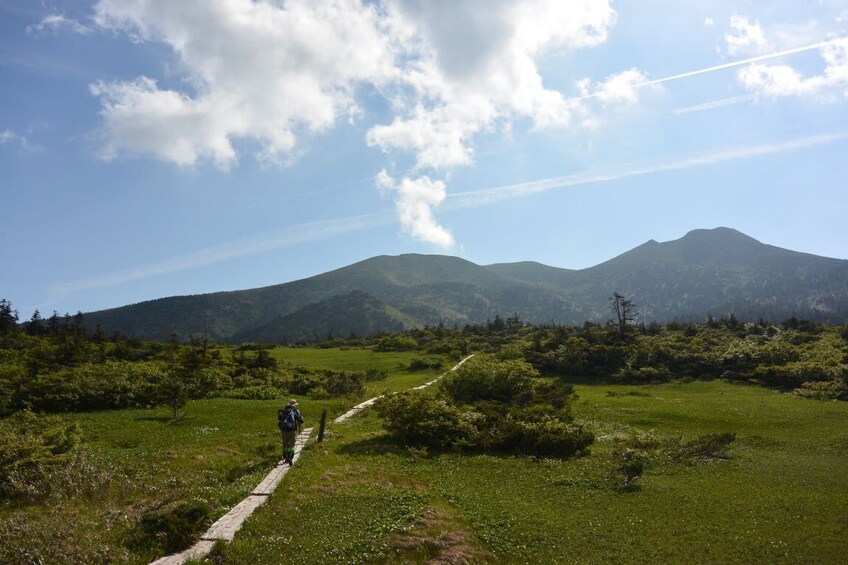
(289, 421)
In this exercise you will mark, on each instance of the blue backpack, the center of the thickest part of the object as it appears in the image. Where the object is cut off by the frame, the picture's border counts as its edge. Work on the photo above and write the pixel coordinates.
(287, 420)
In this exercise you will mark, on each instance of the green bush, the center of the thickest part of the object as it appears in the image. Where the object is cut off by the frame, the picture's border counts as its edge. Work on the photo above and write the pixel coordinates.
(643, 375)
(175, 528)
(324, 383)
(793, 375)
(419, 363)
(823, 390)
(629, 466)
(397, 342)
(31, 447)
(419, 420)
(548, 436)
(482, 379)
(255, 392)
(708, 446)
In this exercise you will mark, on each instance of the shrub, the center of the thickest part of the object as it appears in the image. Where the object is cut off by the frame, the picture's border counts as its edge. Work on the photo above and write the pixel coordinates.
(793, 375)
(174, 528)
(484, 379)
(396, 343)
(420, 420)
(324, 383)
(419, 363)
(823, 390)
(643, 375)
(545, 437)
(708, 446)
(254, 392)
(629, 467)
(32, 446)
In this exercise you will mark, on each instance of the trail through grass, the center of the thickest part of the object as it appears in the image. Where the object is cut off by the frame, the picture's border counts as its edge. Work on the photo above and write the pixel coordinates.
(781, 497)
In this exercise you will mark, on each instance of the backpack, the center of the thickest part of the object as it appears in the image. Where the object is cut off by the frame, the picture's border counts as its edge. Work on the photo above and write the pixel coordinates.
(287, 420)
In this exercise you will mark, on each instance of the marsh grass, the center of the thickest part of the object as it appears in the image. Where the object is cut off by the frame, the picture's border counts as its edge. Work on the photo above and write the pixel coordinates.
(141, 463)
(777, 494)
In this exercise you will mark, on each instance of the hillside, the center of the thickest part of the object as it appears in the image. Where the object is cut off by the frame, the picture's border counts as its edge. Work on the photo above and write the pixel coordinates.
(706, 272)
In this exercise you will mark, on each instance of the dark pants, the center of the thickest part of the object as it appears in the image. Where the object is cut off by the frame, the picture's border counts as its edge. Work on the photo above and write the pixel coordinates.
(289, 437)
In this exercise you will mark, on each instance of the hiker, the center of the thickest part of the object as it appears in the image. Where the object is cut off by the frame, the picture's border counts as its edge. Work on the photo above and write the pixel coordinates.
(289, 421)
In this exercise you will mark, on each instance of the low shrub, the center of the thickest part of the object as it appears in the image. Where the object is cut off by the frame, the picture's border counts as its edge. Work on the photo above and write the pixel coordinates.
(629, 466)
(419, 363)
(482, 379)
(420, 420)
(324, 383)
(708, 446)
(174, 528)
(255, 392)
(544, 437)
(31, 448)
(823, 390)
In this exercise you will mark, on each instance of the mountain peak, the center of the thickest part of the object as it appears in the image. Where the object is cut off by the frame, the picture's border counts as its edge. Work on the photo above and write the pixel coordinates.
(720, 235)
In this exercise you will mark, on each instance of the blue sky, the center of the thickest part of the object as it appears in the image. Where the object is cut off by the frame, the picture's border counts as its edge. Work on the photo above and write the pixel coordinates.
(155, 148)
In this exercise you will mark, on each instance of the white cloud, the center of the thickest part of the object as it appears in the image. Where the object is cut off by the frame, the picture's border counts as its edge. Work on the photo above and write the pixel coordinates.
(415, 201)
(621, 87)
(776, 81)
(56, 22)
(473, 68)
(709, 22)
(270, 73)
(744, 37)
(258, 71)
(9, 137)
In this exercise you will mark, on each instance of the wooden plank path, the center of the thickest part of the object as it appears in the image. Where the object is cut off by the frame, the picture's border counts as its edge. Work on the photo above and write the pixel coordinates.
(227, 526)
(359, 407)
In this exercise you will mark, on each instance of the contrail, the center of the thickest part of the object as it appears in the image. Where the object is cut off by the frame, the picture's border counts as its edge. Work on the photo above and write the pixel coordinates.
(480, 197)
(726, 66)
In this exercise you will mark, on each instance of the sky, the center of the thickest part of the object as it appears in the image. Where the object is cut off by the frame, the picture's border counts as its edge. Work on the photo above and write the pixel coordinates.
(154, 148)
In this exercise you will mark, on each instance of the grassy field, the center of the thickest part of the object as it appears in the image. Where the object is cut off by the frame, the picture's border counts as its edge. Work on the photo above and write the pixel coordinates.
(780, 497)
(135, 460)
(394, 363)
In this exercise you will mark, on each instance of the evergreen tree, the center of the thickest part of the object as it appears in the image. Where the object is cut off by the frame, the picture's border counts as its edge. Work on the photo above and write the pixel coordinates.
(35, 326)
(8, 317)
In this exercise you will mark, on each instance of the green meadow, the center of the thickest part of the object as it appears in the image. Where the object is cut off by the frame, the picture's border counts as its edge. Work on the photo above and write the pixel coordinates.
(135, 461)
(779, 494)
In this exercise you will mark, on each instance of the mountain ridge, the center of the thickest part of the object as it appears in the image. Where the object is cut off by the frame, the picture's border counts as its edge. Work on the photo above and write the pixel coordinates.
(705, 272)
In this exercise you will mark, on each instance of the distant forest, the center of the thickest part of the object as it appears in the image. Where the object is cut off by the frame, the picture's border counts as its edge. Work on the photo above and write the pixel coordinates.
(59, 366)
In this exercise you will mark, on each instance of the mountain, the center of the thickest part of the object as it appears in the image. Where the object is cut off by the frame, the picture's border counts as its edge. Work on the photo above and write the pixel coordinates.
(706, 272)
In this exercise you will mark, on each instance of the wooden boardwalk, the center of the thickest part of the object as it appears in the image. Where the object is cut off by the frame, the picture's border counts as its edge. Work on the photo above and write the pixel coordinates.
(359, 407)
(227, 526)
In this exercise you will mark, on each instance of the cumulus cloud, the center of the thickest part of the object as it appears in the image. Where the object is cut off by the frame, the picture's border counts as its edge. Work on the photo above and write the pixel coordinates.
(744, 37)
(415, 201)
(271, 73)
(620, 88)
(55, 23)
(776, 81)
(259, 71)
(473, 68)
